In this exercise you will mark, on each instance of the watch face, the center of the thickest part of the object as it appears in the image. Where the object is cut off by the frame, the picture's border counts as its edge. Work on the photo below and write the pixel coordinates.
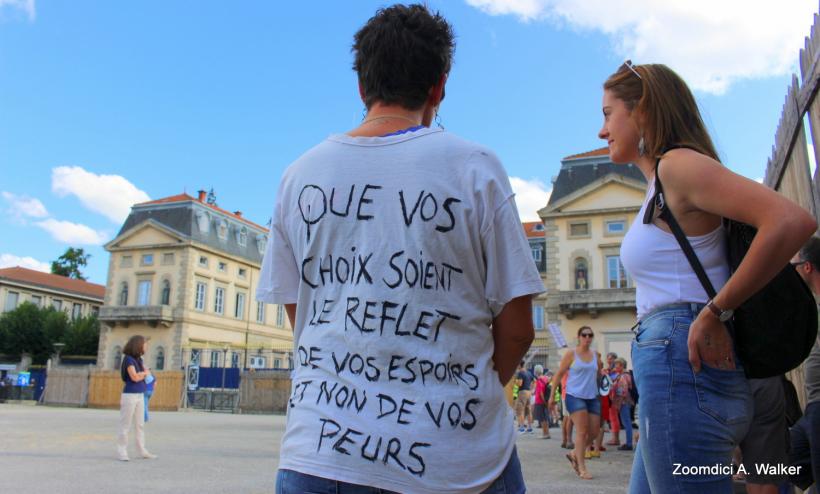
(726, 315)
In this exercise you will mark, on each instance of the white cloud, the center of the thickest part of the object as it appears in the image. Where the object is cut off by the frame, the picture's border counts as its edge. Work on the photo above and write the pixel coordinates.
(21, 207)
(26, 6)
(10, 261)
(530, 196)
(109, 195)
(72, 233)
(711, 44)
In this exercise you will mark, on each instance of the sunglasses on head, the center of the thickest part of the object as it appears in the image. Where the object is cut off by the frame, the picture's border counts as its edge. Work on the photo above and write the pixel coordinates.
(631, 67)
(587, 335)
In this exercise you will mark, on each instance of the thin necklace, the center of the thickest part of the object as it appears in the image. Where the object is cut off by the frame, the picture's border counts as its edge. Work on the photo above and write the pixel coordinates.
(383, 117)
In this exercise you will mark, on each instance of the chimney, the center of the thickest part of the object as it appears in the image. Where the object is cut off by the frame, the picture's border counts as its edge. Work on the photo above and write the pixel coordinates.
(202, 195)
(238, 213)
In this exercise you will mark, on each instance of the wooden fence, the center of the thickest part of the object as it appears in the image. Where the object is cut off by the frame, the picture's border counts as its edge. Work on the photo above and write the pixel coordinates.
(788, 171)
(67, 387)
(105, 389)
(264, 392)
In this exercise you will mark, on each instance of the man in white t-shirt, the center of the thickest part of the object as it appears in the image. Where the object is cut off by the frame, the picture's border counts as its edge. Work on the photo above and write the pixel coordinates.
(399, 254)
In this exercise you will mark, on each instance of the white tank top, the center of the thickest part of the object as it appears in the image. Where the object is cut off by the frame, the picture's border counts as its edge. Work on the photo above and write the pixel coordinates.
(659, 268)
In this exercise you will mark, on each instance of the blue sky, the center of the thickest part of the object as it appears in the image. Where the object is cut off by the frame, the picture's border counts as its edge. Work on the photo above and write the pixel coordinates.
(103, 104)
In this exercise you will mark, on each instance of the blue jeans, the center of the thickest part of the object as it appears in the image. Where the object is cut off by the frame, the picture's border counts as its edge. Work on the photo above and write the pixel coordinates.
(511, 481)
(686, 420)
(147, 398)
(625, 414)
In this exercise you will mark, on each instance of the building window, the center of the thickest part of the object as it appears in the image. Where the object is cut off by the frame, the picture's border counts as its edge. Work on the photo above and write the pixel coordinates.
(144, 292)
(77, 311)
(242, 236)
(222, 230)
(538, 316)
(581, 274)
(615, 227)
(57, 304)
(539, 227)
(277, 363)
(243, 273)
(239, 310)
(95, 311)
(199, 301)
(203, 261)
(536, 254)
(37, 300)
(166, 293)
(160, 365)
(219, 300)
(117, 357)
(257, 362)
(579, 229)
(215, 358)
(222, 267)
(147, 260)
(261, 243)
(126, 261)
(12, 299)
(235, 359)
(203, 221)
(280, 315)
(124, 293)
(168, 259)
(260, 312)
(196, 354)
(616, 274)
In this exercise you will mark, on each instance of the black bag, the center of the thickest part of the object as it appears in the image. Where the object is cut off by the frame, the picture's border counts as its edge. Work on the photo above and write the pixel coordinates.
(775, 329)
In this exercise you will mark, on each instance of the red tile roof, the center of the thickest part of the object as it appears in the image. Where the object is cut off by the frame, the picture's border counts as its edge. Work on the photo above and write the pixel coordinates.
(604, 151)
(53, 281)
(529, 229)
(186, 197)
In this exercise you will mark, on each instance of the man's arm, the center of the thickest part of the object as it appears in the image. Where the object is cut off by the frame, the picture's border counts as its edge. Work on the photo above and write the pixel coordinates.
(513, 334)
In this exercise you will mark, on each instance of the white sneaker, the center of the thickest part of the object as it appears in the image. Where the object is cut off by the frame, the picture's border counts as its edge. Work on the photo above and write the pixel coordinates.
(149, 456)
(123, 458)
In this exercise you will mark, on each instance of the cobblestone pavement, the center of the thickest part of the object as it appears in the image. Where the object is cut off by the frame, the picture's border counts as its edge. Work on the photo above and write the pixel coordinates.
(71, 450)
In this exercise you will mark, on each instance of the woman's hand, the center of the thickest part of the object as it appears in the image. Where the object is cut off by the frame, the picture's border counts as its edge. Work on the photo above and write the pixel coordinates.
(709, 343)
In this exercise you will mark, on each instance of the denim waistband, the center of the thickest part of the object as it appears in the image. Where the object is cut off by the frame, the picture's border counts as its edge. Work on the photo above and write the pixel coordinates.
(684, 308)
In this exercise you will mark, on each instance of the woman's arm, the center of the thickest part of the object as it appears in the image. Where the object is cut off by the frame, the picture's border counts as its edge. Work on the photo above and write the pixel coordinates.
(782, 226)
(566, 361)
(134, 375)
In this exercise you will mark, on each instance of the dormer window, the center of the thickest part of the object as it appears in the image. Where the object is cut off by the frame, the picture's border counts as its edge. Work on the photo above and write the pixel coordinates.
(242, 236)
(539, 227)
(261, 243)
(222, 230)
(203, 221)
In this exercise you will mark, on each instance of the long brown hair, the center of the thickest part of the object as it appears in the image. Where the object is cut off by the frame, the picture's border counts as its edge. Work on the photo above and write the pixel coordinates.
(135, 346)
(667, 111)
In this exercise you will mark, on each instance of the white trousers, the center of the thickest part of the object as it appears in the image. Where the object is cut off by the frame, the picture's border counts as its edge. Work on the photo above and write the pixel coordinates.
(132, 409)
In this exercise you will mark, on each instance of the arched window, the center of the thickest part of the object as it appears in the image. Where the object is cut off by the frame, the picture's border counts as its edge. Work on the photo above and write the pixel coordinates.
(242, 236)
(160, 359)
(166, 292)
(581, 274)
(124, 293)
(117, 357)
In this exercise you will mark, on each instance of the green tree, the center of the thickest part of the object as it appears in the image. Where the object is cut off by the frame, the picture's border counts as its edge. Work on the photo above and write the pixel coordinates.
(82, 337)
(22, 331)
(69, 264)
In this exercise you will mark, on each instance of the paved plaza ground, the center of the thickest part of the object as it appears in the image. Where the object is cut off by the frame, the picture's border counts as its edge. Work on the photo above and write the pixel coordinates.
(71, 450)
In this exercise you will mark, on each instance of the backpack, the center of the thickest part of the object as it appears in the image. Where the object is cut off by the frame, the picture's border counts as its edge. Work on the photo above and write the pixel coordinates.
(775, 329)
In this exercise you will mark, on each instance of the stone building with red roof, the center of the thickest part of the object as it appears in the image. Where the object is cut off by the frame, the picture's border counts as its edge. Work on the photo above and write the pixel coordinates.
(76, 297)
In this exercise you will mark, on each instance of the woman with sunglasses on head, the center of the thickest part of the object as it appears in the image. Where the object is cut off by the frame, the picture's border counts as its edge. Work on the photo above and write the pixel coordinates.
(584, 365)
(695, 401)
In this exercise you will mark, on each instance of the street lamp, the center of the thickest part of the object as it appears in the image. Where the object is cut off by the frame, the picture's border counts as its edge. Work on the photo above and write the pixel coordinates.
(58, 347)
(224, 363)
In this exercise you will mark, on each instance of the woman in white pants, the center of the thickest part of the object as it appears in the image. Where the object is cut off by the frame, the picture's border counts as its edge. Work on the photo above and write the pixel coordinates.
(132, 407)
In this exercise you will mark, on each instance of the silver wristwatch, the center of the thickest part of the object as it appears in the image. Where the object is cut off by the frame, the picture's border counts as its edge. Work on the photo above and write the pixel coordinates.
(723, 315)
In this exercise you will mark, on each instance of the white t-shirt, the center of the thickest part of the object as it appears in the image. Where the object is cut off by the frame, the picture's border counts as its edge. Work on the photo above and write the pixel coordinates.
(398, 251)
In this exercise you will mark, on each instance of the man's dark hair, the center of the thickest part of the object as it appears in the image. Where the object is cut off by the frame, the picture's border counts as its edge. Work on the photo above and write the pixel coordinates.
(811, 252)
(401, 53)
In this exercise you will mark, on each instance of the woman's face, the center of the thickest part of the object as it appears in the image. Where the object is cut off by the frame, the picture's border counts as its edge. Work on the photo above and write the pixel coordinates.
(619, 130)
(619, 367)
(585, 337)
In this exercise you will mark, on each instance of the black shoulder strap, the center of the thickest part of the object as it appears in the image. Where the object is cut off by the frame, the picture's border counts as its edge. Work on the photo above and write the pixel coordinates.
(666, 215)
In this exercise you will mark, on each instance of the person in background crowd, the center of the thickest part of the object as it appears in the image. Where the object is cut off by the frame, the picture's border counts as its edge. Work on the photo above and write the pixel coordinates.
(612, 416)
(389, 171)
(584, 366)
(566, 421)
(621, 398)
(683, 354)
(523, 402)
(542, 398)
(133, 395)
(805, 435)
